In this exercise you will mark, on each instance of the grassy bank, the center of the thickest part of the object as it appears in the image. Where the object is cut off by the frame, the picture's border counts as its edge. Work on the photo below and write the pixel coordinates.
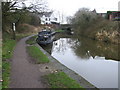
(31, 40)
(19, 36)
(8, 45)
(7, 51)
(59, 30)
(61, 80)
(38, 55)
(55, 80)
(5, 74)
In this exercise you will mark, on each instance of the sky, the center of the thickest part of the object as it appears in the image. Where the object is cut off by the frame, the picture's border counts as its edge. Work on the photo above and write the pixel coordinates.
(69, 7)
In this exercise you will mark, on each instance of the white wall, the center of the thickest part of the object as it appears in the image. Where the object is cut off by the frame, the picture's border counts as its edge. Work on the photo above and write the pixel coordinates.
(49, 19)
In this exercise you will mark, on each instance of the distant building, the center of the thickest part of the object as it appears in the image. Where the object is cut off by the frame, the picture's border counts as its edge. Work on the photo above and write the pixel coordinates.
(110, 15)
(48, 18)
(101, 14)
(113, 15)
(94, 11)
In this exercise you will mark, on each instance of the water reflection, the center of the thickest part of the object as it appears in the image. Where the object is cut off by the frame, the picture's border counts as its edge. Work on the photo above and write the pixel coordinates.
(62, 45)
(100, 72)
(88, 58)
(95, 48)
(85, 48)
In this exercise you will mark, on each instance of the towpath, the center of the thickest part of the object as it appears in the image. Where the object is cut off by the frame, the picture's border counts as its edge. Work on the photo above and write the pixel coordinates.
(23, 73)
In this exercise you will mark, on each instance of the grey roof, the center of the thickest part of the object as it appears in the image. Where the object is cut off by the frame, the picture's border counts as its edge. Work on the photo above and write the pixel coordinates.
(47, 14)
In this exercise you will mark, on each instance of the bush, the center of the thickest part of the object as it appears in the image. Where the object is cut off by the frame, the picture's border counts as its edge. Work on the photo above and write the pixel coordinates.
(89, 24)
(83, 19)
(25, 28)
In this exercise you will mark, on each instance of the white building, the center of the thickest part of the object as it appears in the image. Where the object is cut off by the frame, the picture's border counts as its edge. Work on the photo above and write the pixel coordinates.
(49, 18)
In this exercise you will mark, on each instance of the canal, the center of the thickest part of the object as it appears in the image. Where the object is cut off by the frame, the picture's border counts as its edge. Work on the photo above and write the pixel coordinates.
(96, 61)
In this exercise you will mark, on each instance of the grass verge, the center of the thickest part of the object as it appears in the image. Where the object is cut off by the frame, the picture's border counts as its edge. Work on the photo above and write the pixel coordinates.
(7, 48)
(61, 80)
(7, 52)
(5, 74)
(31, 40)
(19, 36)
(59, 30)
(38, 55)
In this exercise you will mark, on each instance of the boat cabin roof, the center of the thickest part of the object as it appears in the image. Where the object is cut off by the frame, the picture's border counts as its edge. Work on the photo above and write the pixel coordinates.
(45, 32)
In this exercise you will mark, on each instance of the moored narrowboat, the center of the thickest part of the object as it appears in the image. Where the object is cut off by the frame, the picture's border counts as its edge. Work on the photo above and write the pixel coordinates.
(45, 37)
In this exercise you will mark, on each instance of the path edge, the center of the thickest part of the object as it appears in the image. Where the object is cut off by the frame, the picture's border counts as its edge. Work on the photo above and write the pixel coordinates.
(82, 81)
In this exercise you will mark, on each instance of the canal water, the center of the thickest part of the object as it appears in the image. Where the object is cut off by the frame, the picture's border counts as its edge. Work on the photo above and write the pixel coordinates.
(95, 61)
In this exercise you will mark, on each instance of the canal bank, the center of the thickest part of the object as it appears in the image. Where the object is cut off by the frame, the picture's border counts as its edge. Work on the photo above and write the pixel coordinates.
(60, 67)
(96, 62)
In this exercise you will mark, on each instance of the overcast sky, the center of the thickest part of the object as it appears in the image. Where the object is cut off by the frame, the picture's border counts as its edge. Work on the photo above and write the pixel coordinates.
(69, 7)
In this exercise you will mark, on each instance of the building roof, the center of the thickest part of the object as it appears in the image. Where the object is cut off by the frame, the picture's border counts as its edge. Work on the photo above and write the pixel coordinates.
(47, 14)
(94, 11)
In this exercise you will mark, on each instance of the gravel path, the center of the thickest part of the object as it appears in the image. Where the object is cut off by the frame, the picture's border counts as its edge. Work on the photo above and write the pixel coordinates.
(23, 73)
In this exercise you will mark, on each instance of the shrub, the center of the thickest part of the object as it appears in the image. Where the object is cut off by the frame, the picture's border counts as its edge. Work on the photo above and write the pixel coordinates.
(25, 28)
(83, 19)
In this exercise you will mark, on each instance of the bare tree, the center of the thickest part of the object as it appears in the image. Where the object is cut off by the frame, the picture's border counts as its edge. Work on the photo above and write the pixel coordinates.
(36, 6)
(69, 19)
(83, 19)
(13, 11)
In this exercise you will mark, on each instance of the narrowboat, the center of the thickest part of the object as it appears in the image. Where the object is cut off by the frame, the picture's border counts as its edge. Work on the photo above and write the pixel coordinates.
(45, 37)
